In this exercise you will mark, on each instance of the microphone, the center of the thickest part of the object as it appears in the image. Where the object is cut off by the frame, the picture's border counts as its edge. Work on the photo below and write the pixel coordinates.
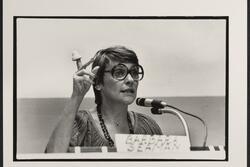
(150, 103)
(158, 108)
(156, 111)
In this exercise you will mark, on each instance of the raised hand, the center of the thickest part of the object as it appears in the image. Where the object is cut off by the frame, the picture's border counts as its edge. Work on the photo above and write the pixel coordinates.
(83, 78)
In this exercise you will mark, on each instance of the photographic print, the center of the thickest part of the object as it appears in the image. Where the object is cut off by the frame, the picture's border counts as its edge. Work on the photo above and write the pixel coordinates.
(184, 65)
(118, 83)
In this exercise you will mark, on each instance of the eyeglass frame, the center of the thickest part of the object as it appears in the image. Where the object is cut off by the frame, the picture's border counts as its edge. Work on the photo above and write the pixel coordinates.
(128, 72)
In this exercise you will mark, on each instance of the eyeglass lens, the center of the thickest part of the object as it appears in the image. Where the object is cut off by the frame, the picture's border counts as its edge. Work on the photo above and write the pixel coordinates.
(121, 71)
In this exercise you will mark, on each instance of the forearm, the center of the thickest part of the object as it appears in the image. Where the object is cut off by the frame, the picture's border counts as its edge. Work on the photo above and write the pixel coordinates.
(59, 141)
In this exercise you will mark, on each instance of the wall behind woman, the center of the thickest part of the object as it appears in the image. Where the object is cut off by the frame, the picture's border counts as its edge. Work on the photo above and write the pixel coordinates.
(184, 62)
(180, 57)
(37, 117)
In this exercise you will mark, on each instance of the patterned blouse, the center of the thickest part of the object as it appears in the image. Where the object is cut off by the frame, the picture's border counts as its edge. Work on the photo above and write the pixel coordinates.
(85, 132)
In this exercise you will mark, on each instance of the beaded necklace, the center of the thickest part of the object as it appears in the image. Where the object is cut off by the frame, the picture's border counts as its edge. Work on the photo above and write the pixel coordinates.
(105, 130)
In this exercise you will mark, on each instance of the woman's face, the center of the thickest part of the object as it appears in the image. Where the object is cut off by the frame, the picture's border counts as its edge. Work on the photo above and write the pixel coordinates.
(115, 91)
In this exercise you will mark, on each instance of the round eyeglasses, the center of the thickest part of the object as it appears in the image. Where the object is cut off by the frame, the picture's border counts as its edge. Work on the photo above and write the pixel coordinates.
(120, 72)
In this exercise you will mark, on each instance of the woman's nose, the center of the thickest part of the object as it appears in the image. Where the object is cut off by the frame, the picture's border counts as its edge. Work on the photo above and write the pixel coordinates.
(129, 79)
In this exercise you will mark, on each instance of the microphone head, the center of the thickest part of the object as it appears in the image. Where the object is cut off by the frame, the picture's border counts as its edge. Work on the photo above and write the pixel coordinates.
(140, 101)
(150, 103)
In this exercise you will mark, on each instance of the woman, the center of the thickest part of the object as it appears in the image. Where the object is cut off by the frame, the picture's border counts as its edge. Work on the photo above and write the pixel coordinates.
(115, 77)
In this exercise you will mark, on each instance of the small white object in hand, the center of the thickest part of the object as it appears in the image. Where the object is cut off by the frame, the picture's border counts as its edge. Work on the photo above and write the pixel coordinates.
(77, 57)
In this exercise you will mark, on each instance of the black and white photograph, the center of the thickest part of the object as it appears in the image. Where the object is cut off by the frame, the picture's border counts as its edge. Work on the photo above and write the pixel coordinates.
(123, 87)
(125, 83)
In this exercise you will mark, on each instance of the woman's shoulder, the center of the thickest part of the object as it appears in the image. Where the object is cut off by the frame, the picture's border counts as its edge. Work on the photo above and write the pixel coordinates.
(82, 119)
(145, 122)
(143, 117)
(84, 115)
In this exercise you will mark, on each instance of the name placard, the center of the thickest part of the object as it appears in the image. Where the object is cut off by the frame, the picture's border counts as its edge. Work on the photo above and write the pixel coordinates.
(151, 143)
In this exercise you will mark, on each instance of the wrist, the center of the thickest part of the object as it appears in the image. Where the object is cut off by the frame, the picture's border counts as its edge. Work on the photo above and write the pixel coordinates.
(72, 105)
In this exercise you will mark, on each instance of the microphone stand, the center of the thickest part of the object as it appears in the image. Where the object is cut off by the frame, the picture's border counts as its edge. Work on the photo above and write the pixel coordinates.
(174, 112)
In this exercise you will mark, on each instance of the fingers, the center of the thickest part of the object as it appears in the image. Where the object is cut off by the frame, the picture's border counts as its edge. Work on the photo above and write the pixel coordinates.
(79, 64)
(86, 72)
(94, 72)
(88, 63)
(84, 79)
(83, 74)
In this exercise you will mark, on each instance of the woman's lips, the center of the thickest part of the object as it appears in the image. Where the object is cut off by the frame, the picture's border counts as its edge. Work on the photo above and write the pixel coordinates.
(128, 91)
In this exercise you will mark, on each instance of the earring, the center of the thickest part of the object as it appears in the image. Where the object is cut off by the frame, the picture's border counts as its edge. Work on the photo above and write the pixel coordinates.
(98, 87)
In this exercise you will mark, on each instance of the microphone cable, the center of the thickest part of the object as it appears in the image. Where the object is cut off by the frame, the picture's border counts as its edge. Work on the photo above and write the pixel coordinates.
(203, 122)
